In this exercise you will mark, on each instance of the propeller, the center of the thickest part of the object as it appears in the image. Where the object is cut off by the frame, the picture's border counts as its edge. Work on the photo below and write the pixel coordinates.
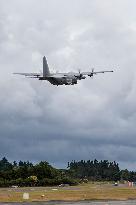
(92, 73)
(81, 76)
(79, 71)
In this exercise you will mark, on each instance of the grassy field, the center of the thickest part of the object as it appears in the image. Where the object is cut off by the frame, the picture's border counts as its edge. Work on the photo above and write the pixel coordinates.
(90, 191)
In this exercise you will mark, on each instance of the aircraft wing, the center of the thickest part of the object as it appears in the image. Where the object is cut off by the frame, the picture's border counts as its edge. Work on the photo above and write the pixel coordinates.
(58, 75)
(94, 73)
(30, 74)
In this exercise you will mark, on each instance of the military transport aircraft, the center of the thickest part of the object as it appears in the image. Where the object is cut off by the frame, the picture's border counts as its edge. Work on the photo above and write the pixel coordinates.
(69, 78)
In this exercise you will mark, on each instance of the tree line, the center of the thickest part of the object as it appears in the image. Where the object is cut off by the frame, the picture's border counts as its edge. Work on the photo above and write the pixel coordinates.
(28, 174)
(99, 171)
(43, 174)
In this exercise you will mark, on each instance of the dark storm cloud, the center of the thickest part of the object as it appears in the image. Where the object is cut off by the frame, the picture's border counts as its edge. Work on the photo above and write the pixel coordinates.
(94, 119)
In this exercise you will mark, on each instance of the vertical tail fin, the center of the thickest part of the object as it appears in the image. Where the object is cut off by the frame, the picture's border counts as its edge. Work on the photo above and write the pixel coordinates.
(46, 71)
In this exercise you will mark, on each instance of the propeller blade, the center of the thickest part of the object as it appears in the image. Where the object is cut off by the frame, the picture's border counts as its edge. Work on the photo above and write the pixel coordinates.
(92, 70)
(79, 71)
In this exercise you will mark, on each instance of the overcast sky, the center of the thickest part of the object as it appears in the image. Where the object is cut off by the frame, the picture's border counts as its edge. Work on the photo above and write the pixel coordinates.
(95, 118)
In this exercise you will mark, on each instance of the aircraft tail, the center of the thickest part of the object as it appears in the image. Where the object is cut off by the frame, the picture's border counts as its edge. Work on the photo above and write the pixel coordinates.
(46, 71)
